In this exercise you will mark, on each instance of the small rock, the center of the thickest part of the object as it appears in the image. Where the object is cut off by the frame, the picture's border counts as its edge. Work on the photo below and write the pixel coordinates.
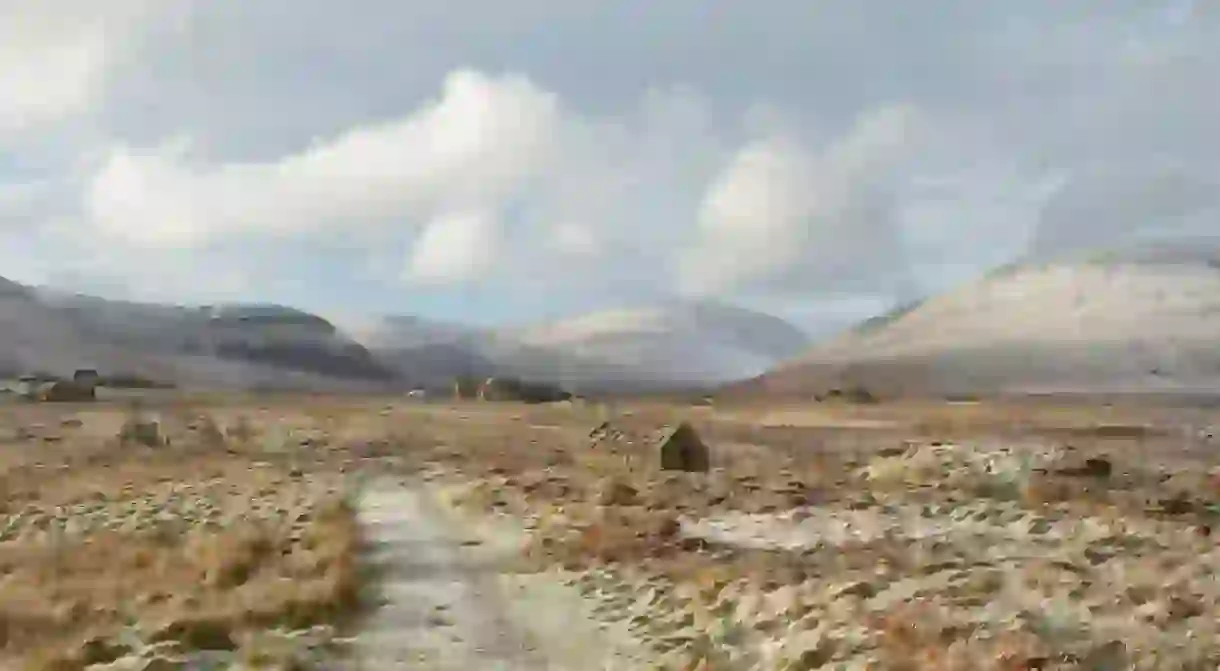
(195, 633)
(1112, 655)
(617, 493)
(1094, 467)
(861, 589)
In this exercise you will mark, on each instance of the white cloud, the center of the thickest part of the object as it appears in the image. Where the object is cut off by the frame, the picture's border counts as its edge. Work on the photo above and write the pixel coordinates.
(778, 210)
(496, 180)
(480, 142)
(55, 56)
(574, 239)
(755, 217)
(454, 249)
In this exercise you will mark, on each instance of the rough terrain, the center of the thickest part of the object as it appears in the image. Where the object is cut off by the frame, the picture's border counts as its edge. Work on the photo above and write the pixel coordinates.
(497, 535)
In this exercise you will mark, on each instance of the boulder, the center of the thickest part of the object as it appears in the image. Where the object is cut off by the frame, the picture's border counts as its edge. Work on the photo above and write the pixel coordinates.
(139, 430)
(683, 450)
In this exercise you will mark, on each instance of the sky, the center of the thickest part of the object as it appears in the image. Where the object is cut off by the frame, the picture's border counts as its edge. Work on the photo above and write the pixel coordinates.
(507, 162)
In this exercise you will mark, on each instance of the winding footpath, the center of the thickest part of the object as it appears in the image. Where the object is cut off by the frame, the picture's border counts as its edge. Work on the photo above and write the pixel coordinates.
(449, 600)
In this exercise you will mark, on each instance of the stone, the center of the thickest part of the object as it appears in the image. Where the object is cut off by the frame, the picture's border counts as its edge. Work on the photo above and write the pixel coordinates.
(1094, 467)
(617, 493)
(141, 431)
(1111, 655)
(208, 432)
(683, 450)
(241, 430)
(198, 633)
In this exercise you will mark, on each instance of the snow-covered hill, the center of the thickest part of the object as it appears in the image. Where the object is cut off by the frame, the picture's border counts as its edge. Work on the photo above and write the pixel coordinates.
(1144, 318)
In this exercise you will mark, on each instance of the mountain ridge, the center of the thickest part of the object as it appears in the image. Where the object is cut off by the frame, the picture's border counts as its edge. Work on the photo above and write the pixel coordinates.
(663, 346)
(1143, 317)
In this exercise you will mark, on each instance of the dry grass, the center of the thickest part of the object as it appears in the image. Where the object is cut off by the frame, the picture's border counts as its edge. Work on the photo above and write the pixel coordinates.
(206, 590)
(225, 584)
(773, 468)
(64, 596)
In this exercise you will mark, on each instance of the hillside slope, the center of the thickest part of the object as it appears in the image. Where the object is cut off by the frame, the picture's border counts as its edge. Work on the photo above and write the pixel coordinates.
(1142, 319)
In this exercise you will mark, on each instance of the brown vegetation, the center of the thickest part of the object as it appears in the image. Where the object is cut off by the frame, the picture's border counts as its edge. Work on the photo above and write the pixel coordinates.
(591, 484)
(106, 535)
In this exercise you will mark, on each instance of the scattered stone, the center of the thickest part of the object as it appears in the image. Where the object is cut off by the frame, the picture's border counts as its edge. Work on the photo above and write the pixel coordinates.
(140, 430)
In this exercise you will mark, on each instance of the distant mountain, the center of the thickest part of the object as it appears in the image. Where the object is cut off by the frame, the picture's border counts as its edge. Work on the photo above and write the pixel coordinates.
(681, 342)
(669, 345)
(225, 346)
(674, 345)
(400, 332)
(1141, 318)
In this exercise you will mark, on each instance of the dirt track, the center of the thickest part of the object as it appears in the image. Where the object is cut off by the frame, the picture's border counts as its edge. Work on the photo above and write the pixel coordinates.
(449, 599)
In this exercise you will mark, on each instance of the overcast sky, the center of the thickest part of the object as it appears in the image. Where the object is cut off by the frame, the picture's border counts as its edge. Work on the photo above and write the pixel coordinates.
(493, 161)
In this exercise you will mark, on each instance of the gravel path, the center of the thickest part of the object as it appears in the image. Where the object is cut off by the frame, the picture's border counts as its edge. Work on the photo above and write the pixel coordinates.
(449, 601)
